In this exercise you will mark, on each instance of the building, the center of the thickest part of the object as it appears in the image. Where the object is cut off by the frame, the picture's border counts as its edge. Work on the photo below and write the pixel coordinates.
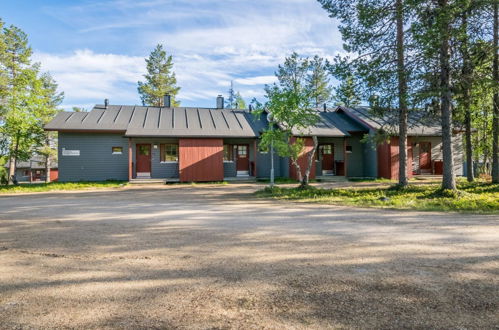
(119, 142)
(33, 170)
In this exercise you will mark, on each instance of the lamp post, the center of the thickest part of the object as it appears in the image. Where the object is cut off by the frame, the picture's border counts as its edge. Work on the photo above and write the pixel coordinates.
(270, 118)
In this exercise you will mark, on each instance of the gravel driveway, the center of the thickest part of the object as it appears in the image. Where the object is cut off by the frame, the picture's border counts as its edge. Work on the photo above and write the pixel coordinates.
(204, 257)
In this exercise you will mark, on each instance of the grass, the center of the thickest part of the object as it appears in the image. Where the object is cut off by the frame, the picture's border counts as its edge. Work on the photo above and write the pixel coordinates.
(476, 197)
(52, 186)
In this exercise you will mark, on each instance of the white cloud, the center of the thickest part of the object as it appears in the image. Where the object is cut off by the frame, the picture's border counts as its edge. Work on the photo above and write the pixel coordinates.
(213, 42)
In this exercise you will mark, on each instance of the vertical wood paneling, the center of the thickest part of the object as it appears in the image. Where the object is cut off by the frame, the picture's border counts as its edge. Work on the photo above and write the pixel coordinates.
(303, 160)
(201, 160)
(388, 159)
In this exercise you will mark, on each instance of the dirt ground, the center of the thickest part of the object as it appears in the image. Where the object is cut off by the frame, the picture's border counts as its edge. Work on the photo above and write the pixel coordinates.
(213, 257)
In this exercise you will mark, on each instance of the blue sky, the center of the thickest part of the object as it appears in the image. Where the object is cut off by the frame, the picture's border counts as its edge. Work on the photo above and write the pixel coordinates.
(96, 49)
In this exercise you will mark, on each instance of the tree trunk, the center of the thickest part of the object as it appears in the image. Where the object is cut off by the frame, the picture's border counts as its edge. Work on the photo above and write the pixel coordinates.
(13, 161)
(495, 120)
(298, 169)
(467, 82)
(310, 163)
(402, 95)
(449, 180)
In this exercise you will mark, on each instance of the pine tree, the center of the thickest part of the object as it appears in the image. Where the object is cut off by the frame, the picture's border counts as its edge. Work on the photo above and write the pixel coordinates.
(160, 79)
(19, 126)
(318, 81)
(345, 93)
(230, 101)
(495, 102)
(375, 32)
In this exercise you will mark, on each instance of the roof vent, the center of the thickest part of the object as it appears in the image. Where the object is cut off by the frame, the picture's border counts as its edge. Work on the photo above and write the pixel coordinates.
(220, 102)
(167, 101)
(106, 103)
(250, 108)
(325, 107)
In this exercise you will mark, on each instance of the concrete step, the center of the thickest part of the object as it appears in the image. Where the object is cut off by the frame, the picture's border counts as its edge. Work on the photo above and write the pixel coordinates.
(147, 181)
(331, 178)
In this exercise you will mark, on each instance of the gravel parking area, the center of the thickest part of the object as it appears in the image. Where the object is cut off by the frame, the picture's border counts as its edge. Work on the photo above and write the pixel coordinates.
(214, 257)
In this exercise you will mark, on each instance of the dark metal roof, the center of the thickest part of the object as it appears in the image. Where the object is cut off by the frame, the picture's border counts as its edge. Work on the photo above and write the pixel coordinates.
(419, 124)
(140, 121)
(36, 162)
(154, 121)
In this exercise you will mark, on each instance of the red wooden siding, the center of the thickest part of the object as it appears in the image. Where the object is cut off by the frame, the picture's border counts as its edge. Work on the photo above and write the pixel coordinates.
(388, 159)
(54, 175)
(303, 160)
(201, 160)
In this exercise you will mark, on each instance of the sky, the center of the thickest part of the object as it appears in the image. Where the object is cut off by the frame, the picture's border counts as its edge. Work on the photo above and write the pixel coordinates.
(96, 49)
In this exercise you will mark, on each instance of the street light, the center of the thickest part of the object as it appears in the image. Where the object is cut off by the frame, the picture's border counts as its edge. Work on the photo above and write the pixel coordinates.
(270, 119)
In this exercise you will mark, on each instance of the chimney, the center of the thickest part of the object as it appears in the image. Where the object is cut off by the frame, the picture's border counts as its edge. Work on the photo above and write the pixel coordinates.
(325, 107)
(220, 102)
(250, 108)
(106, 103)
(167, 101)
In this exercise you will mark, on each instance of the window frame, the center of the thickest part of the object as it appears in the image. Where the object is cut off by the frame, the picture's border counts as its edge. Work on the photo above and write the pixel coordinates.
(117, 152)
(163, 153)
(230, 151)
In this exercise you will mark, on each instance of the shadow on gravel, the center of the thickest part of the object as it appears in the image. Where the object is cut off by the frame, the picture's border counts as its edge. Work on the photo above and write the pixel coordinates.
(201, 258)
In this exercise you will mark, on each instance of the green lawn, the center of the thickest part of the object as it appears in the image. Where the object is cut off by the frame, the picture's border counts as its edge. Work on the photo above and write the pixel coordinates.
(473, 198)
(42, 187)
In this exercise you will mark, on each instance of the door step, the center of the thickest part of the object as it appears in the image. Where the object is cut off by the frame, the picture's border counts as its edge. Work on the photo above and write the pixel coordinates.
(147, 181)
(331, 178)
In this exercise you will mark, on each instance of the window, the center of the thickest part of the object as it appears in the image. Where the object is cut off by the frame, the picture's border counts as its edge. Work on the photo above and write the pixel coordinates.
(327, 149)
(169, 153)
(117, 150)
(228, 153)
(348, 149)
(26, 173)
(242, 151)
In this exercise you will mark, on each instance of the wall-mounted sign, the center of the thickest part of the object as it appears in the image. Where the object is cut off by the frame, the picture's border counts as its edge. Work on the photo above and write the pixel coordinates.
(70, 152)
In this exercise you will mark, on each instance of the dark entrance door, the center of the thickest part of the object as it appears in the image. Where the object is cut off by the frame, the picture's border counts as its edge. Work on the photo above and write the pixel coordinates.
(143, 158)
(425, 156)
(326, 153)
(242, 159)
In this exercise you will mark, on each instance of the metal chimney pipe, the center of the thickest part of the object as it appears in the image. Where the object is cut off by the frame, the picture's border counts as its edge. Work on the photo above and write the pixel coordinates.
(250, 108)
(167, 101)
(325, 107)
(106, 103)
(220, 102)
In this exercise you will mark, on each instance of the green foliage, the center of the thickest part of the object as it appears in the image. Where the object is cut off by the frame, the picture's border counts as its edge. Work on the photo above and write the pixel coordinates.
(79, 109)
(234, 99)
(473, 198)
(318, 81)
(28, 99)
(345, 93)
(59, 186)
(290, 103)
(3, 170)
(160, 79)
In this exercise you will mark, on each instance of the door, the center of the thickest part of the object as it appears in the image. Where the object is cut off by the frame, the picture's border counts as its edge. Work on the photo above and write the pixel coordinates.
(242, 159)
(425, 155)
(326, 153)
(143, 159)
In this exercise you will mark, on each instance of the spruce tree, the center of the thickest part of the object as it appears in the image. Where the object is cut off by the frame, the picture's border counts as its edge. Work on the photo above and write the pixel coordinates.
(160, 79)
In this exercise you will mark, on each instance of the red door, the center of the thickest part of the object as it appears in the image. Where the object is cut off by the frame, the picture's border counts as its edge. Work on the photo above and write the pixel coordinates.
(143, 158)
(242, 159)
(326, 153)
(425, 155)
